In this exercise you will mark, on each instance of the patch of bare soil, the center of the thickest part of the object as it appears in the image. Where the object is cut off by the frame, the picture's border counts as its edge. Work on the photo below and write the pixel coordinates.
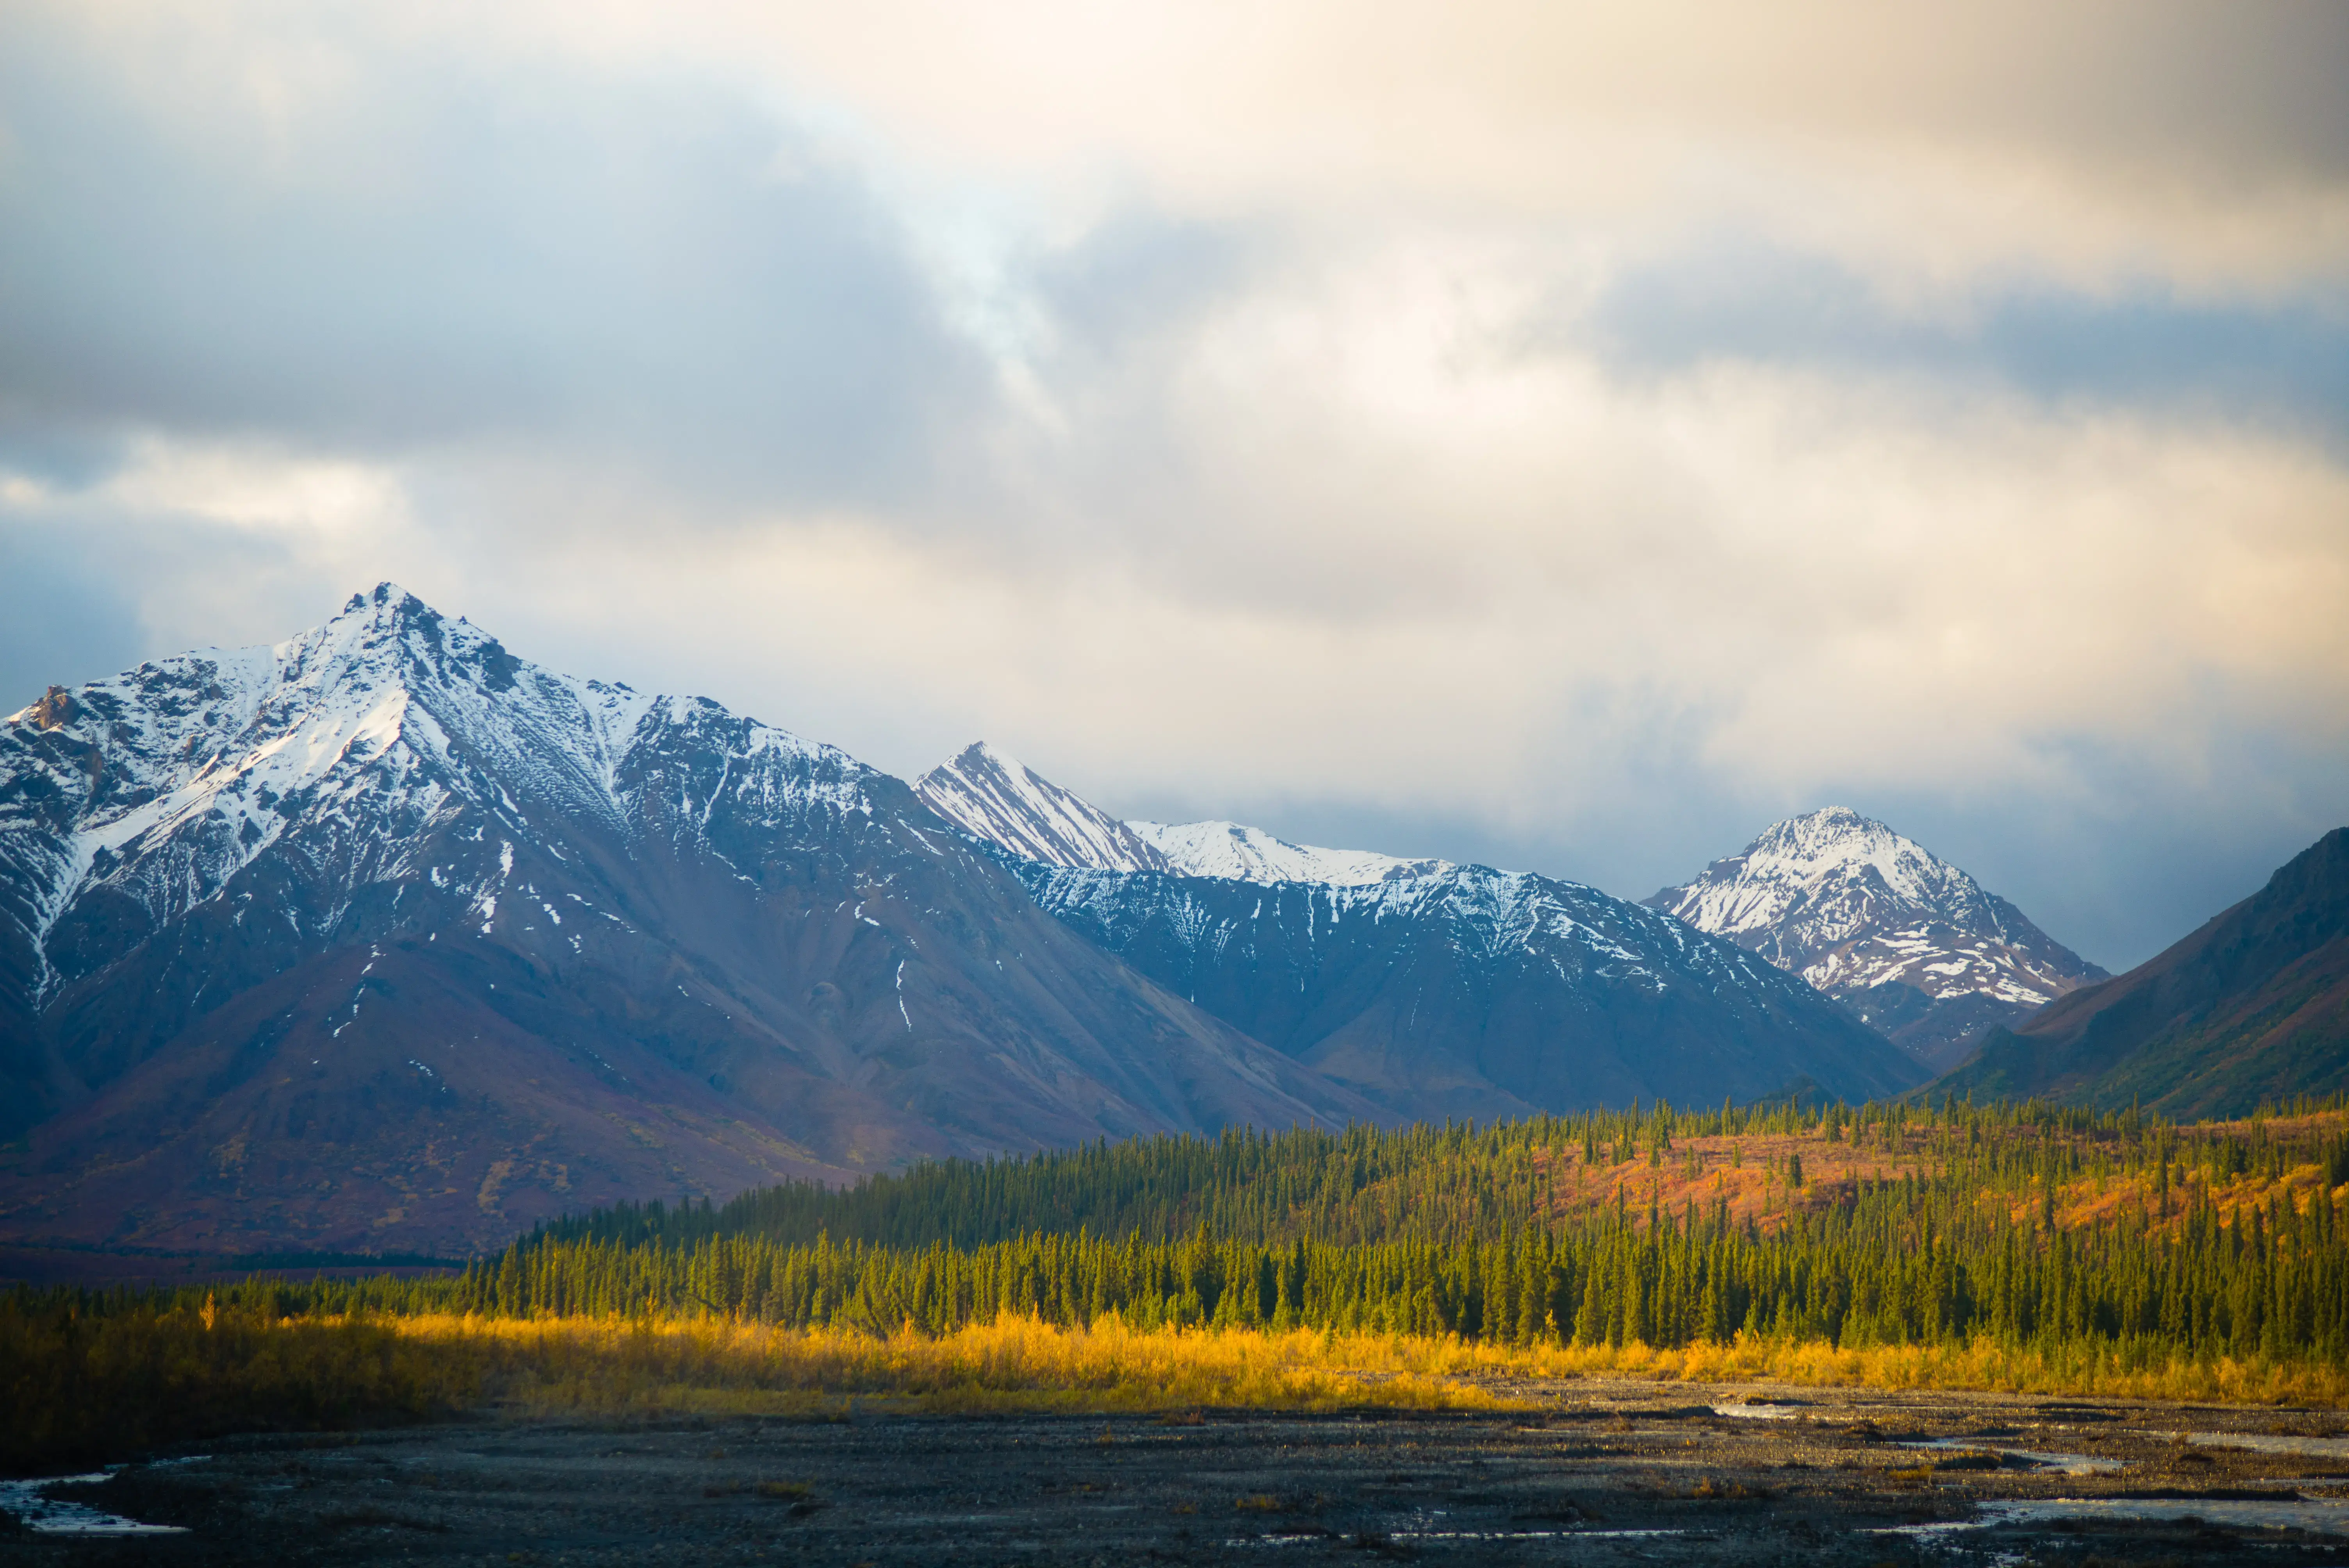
(1602, 1473)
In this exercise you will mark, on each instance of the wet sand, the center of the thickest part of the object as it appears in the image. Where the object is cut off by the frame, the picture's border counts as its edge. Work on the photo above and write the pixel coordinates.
(1604, 1472)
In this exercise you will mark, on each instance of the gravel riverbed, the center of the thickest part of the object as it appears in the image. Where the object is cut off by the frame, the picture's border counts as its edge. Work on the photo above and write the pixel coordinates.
(1600, 1473)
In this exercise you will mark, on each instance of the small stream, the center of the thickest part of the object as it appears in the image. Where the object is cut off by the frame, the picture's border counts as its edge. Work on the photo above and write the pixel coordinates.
(46, 1515)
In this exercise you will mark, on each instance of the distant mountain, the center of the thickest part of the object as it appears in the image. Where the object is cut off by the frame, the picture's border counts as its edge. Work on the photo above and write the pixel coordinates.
(1913, 946)
(1434, 989)
(1001, 799)
(384, 937)
(2253, 1007)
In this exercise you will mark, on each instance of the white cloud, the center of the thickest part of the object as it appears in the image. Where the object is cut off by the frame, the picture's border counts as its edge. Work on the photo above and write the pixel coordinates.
(321, 499)
(2203, 140)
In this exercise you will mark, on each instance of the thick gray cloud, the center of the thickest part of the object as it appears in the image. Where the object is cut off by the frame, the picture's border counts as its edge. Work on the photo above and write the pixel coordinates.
(422, 252)
(2263, 357)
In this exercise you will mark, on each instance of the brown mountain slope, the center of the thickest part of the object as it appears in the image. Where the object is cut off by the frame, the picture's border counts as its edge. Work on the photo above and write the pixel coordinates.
(429, 1120)
(2253, 1007)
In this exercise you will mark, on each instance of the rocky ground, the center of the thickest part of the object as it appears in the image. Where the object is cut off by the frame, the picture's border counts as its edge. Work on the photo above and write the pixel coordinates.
(1602, 1473)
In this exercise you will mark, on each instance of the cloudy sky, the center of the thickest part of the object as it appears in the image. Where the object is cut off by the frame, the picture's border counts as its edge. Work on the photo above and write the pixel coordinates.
(1564, 436)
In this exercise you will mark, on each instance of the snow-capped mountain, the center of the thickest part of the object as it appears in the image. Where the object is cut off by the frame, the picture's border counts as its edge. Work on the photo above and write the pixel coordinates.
(383, 936)
(1001, 799)
(1434, 988)
(1915, 946)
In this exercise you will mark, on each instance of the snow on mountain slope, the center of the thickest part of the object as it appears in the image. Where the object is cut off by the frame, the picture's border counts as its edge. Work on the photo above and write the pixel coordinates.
(1478, 993)
(1912, 943)
(1007, 803)
(997, 797)
(172, 779)
(383, 936)
(1436, 989)
(1250, 854)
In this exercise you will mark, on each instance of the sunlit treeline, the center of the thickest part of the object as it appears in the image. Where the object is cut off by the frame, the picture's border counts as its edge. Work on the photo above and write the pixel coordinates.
(1900, 1264)
(2051, 1233)
(1905, 1262)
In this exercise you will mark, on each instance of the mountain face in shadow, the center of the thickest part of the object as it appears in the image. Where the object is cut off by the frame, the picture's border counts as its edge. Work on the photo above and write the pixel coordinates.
(385, 938)
(1431, 988)
(2252, 1007)
(1478, 993)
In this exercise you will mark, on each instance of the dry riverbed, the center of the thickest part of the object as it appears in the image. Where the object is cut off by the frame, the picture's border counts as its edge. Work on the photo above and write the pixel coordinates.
(1600, 1473)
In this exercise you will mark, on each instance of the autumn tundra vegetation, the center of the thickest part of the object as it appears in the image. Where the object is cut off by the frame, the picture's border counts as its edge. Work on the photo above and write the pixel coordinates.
(2011, 1247)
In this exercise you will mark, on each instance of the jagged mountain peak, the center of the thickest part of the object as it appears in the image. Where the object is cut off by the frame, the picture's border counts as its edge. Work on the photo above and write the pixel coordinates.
(161, 785)
(1790, 863)
(387, 604)
(1836, 831)
(1913, 942)
(992, 794)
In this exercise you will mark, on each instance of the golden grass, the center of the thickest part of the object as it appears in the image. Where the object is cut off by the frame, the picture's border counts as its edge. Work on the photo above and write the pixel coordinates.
(613, 1367)
(1982, 1366)
(618, 1367)
(105, 1388)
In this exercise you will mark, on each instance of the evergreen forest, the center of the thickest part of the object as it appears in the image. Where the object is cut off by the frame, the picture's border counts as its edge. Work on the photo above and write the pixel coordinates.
(1888, 1224)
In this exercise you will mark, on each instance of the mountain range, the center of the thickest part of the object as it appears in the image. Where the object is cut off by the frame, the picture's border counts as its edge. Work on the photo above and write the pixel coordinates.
(384, 939)
(1431, 988)
(1918, 949)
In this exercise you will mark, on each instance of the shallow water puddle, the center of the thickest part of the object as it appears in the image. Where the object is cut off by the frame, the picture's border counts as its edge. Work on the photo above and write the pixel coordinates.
(2067, 1464)
(47, 1515)
(1758, 1412)
(2326, 1516)
(2275, 1443)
